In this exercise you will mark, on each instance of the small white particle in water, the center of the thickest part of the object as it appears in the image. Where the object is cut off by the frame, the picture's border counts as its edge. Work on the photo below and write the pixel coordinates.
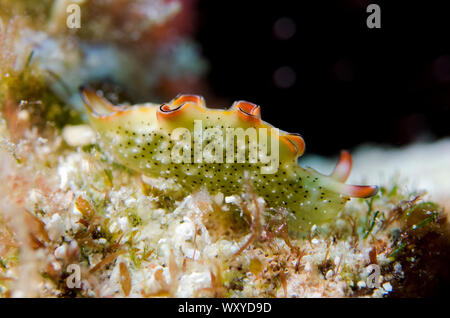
(284, 77)
(307, 267)
(79, 135)
(337, 260)
(398, 267)
(23, 115)
(315, 241)
(387, 287)
(102, 241)
(129, 201)
(56, 266)
(284, 28)
(114, 227)
(60, 252)
(123, 223)
(55, 227)
(231, 199)
(218, 198)
(329, 274)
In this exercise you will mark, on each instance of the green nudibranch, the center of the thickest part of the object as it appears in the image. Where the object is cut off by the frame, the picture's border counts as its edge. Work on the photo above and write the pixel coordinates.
(146, 137)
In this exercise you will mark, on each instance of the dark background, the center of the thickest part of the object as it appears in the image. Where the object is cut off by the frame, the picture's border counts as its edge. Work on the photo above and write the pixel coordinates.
(352, 84)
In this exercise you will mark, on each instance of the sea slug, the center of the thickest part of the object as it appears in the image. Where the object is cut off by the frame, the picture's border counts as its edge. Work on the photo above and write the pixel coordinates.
(222, 150)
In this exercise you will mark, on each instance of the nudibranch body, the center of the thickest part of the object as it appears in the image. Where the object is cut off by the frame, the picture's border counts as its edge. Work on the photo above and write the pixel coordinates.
(222, 150)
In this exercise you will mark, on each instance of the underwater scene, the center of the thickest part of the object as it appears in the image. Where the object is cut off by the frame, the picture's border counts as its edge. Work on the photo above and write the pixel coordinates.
(237, 149)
